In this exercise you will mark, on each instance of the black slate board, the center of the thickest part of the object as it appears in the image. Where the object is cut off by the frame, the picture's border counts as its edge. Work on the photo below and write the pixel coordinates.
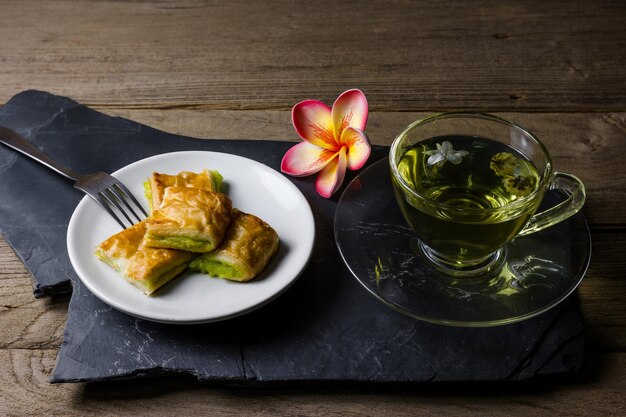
(326, 327)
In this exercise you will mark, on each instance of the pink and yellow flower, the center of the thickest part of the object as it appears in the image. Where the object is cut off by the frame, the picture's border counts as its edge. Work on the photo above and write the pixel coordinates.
(334, 139)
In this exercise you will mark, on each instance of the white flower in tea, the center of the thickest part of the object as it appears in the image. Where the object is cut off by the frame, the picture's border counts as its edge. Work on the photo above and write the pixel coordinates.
(443, 153)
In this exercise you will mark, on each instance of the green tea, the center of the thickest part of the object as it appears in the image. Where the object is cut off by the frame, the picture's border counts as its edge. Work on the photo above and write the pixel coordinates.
(469, 185)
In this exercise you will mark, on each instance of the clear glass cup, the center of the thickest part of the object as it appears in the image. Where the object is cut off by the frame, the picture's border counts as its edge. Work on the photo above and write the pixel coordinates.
(469, 183)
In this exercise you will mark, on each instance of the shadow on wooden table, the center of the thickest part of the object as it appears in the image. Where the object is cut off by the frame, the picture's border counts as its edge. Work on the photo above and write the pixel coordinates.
(596, 388)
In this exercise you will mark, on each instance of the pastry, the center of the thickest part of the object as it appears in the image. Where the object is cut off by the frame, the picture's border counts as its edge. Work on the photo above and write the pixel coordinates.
(248, 246)
(145, 267)
(157, 183)
(190, 219)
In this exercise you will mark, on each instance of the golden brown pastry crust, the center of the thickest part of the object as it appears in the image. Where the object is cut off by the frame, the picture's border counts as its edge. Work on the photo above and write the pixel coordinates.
(145, 267)
(159, 182)
(192, 213)
(248, 246)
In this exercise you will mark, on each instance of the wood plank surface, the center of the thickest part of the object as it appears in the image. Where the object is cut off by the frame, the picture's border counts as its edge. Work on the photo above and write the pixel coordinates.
(24, 387)
(232, 69)
(488, 55)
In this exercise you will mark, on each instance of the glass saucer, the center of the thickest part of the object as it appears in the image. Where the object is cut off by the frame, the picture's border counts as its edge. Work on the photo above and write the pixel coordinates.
(538, 272)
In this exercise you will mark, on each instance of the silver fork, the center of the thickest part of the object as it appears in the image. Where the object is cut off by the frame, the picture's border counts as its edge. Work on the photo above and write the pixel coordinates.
(107, 191)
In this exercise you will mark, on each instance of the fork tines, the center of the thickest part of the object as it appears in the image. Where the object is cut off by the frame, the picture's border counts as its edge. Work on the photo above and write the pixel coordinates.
(117, 199)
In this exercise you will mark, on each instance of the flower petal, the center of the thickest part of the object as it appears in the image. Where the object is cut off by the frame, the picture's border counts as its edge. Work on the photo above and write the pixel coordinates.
(436, 158)
(305, 159)
(445, 147)
(358, 147)
(313, 121)
(330, 178)
(455, 158)
(350, 109)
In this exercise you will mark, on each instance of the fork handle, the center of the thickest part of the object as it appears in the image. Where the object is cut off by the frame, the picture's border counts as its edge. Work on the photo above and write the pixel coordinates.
(16, 141)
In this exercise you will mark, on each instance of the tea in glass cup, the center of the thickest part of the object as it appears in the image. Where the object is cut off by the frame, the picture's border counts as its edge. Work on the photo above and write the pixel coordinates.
(468, 183)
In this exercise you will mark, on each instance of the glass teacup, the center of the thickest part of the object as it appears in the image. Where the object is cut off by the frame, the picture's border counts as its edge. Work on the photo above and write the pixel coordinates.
(469, 183)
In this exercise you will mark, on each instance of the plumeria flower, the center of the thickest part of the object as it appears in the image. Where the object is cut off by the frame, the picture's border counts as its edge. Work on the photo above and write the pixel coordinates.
(333, 140)
(443, 153)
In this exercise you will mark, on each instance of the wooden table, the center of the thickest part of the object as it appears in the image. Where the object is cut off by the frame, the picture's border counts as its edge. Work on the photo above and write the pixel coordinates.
(233, 69)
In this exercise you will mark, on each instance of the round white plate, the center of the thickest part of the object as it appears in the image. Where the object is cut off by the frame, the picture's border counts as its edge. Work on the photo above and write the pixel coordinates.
(191, 297)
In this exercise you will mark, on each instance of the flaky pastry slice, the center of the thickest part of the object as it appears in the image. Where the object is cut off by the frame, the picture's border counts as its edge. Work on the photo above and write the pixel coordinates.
(145, 267)
(190, 219)
(157, 183)
(248, 246)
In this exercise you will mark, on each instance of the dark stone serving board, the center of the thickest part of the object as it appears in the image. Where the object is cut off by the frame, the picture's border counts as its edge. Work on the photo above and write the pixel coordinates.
(326, 327)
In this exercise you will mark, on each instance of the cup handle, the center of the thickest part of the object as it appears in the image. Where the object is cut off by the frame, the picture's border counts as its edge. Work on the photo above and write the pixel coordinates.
(575, 190)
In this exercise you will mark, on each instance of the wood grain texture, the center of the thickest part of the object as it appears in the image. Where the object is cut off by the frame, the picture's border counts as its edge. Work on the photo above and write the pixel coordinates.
(26, 392)
(232, 69)
(406, 55)
(26, 322)
(601, 294)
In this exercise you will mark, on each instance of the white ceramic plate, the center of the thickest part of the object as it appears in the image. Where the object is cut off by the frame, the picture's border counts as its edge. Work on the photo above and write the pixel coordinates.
(197, 298)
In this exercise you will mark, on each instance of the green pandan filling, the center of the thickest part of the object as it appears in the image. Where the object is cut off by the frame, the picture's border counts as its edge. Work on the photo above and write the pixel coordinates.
(217, 180)
(180, 242)
(147, 191)
(213, 267)
(165, 278)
